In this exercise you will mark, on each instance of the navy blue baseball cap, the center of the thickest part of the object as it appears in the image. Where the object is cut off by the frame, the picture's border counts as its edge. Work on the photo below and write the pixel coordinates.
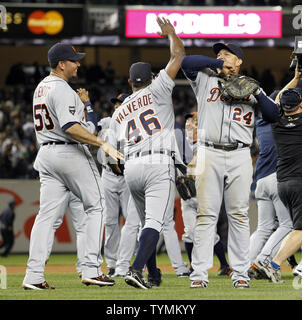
(290, 99)
(232, 47)
(120, 98)
(140, 73)
(62, 52)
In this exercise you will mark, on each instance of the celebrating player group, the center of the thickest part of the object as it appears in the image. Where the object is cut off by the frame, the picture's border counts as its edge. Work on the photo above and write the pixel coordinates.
(144, 163)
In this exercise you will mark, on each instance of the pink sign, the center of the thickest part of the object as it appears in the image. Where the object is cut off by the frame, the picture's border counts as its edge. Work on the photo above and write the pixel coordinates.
(207, 23)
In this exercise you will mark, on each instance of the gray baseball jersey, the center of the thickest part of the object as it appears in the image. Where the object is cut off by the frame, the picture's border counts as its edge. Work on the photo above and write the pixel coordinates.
(52, 111)
(136, 124)
(220, 119)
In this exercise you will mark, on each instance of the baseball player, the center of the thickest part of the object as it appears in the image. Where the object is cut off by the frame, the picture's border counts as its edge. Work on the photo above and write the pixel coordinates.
(128, 241)
(127, 245)
(189, 207)
(65, 164)
(144, 124)
(75, 206)
(79, 219)
(116, 194)
(225, 132)
(133, 226)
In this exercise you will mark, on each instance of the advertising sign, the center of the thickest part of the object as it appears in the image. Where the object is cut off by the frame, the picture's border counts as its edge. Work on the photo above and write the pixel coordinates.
(207, 23)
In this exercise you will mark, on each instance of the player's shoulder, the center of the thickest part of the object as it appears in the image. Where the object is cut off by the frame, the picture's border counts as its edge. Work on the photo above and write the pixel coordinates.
(200, 76)
(57, 82)
(104, 123)
(163, 76)
(162, 82)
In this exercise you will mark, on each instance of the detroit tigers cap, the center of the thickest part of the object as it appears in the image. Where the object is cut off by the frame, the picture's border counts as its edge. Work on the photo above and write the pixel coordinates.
(140, 73)
(290, 99)
(232, 47)
(63, 51)
(120, 98)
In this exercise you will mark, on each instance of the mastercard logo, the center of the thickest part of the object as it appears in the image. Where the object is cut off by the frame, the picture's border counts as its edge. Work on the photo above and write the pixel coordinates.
(50, 22)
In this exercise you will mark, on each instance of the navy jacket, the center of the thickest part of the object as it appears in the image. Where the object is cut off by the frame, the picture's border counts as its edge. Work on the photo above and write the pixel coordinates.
(267, 160)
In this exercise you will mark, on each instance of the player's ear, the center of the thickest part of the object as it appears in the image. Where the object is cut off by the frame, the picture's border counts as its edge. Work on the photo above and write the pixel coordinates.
(239, 62)
(130, 83)
(61, 65)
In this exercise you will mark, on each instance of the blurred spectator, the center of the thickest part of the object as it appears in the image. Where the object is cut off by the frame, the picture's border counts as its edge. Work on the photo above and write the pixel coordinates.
(267, 81)
(7, 218)
(109, 73)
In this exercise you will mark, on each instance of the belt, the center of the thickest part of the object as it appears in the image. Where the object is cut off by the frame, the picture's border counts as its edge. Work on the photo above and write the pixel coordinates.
(227, 146)
(149, 152)
(57, 142)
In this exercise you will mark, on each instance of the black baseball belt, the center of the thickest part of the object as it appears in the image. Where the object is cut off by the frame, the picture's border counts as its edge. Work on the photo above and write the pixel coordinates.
(148, 152)
(57, 142)
(226, 146)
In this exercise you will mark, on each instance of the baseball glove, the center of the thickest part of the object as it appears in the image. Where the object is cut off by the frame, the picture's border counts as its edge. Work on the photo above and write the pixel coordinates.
(185, 187)
(116, 167)
(238, 87)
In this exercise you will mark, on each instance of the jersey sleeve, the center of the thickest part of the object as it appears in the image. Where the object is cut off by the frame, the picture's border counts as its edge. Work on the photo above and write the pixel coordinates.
(162, 85)
(65, 104)
(111, 135)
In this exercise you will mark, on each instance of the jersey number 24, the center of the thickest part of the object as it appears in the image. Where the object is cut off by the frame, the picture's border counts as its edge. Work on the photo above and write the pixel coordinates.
(150, 125)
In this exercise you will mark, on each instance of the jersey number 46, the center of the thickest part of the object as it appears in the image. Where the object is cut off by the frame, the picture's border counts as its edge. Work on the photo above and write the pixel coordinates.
(150, 125)
(42, 118)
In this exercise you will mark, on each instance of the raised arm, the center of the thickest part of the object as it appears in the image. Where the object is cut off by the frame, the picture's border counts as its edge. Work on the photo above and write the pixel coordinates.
(177, 50)
(292, 84)
(269, 109)
(90, 113)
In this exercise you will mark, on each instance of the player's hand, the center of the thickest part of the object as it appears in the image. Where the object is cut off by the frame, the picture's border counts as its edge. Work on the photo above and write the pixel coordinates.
(165, 26)
(227, 69)
(112, 152)
(83, 94)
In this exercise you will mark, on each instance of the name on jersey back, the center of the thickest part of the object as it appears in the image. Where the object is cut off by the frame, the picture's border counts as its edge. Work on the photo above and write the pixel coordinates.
(132, 106)
(42, 91)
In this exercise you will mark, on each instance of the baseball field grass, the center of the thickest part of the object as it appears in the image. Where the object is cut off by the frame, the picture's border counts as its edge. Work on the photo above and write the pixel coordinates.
(60, 272)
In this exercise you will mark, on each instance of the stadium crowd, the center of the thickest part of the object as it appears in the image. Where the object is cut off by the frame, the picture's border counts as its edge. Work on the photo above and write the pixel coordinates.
(17, 139)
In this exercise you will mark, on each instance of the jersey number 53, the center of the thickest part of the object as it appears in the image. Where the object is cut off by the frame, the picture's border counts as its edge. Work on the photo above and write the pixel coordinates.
(150, 125)
(42, 118)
